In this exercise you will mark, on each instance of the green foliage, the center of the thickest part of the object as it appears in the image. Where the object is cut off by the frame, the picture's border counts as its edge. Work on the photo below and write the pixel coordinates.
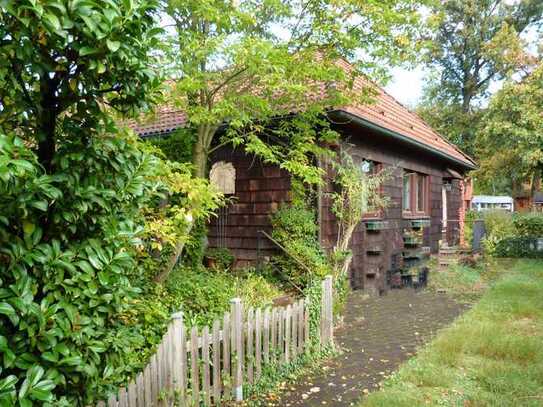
(471, 45)
(176, 146)
(222, 258)
(512, 235)
(204, 295)
(519, 247)
(75, 58)
(230, 61)
(72, 246)
(498, 225)
(511, 137)
(529, 224)
(357, 194)
(528, 229)
(295, 228)
(189, 201)
(68, 249)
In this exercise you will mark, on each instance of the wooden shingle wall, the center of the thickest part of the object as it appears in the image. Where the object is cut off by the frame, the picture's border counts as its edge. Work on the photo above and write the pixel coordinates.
(368, 270)
(260, 190)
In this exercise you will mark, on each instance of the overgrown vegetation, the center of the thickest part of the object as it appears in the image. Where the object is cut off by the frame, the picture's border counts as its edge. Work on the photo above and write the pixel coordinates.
(491, 356)
(358, 193)
(296, 229)
(89, 215)
(467, 282)
(510, 235)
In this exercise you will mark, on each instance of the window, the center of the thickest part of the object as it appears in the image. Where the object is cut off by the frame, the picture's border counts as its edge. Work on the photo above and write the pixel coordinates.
(370, 167)
(407, 191)
(421, 193)
(415, 193)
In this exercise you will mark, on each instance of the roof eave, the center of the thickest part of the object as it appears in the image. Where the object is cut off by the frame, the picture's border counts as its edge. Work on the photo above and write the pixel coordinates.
(400, 137)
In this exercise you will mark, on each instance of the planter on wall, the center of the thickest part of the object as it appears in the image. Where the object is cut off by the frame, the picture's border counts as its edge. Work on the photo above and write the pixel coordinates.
(419, 223)
(374, 250)
(412, 240)
(373, 225)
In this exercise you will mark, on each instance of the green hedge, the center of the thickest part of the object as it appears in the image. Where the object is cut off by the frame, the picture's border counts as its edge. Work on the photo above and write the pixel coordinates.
(528, 224)
(520, 246)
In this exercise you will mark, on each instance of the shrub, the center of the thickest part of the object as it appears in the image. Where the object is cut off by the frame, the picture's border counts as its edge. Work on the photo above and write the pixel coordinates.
(498, 225)
(510, 235)
(519, 246)
(295, 228)
(78, 249)
(67, 253)
(222, 258)
(530, 224)
(205, 294)
(177, 146)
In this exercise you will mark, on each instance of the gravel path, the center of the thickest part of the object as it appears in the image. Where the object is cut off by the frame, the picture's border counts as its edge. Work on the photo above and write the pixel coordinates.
(378, 335)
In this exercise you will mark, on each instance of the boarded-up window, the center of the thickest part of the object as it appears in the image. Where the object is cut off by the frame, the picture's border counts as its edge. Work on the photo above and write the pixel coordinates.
(223, 176)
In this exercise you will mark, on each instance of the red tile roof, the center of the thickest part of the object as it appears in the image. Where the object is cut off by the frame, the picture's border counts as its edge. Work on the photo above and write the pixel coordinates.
(385, 112)
(164, 120)
(388, 113)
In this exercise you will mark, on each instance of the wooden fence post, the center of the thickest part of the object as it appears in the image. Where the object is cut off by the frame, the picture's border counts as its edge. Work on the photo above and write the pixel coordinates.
(237, 334)
(177, 355)
(327, 337)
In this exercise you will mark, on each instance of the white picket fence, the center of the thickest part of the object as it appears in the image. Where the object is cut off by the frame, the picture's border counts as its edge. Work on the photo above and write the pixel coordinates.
(211, 366)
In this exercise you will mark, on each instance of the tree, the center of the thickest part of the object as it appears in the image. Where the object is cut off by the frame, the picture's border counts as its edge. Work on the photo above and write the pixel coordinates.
(62, 62)
(245, 63)
(511, 137)
(472, 44)
(358, 193)
(80, 200)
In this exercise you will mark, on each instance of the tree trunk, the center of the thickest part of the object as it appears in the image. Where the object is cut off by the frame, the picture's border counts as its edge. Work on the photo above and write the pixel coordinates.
(466, 100)
(46, 138)
(200, 150)
(46, 125)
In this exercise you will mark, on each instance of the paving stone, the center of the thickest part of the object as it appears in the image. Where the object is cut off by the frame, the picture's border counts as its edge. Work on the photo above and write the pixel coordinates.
(387, 328)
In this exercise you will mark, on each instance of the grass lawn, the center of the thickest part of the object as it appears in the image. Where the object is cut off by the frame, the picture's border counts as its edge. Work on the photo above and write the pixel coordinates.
(491, 356)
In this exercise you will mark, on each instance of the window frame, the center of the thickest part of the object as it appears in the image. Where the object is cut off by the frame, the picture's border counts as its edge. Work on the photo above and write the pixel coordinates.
(414, 179)
(377, 167)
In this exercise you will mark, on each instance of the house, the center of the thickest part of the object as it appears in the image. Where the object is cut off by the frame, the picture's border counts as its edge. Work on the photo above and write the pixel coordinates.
(528, 196)
(490, 202)
(427, 191)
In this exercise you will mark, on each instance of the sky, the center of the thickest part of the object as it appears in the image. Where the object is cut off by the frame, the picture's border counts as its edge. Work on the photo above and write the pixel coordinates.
(406, 85)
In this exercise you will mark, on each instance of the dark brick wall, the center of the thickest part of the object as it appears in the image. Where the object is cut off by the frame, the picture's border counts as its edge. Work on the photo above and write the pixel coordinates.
(369, 270)
(260, 189)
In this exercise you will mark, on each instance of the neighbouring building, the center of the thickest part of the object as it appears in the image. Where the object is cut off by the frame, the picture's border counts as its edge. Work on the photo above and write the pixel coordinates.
(428, 191)
(528, 196)
(490, 202)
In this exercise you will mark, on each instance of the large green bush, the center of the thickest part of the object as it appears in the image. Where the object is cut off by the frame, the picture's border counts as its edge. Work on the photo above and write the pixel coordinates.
(202, 295)
(519, 247)
(67, 249)
(498, 225)
(78, 250)
(512, 235)
(529, 224)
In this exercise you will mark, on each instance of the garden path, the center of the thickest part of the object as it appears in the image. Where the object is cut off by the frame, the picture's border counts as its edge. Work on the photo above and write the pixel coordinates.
(377, 336)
